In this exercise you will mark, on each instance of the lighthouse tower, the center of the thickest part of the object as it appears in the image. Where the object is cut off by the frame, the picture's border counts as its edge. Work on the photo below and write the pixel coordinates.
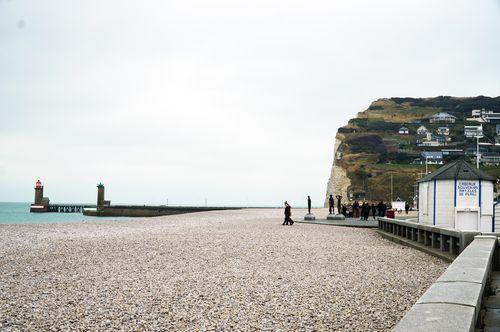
(100, 195)
(38, 192)
(40, 205)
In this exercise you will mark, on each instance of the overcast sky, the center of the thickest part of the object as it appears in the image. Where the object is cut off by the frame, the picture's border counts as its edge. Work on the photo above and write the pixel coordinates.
(234, 101)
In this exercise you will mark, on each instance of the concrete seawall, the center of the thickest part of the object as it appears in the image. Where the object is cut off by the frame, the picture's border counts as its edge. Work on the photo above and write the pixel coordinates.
(456, 301)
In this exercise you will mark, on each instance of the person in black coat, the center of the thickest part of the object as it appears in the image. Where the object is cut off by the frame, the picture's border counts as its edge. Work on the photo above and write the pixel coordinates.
(374, 210)
(365, 211)
(331, 204)
(288, 214)
(309, 204)
(355, 209)
(380, 208)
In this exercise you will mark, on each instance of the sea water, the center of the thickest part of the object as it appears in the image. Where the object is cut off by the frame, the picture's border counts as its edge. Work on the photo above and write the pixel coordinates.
(19, 213)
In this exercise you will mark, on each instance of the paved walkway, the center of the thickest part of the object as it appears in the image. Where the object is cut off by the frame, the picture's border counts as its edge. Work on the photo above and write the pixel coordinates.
(348, 222)
(491, 318)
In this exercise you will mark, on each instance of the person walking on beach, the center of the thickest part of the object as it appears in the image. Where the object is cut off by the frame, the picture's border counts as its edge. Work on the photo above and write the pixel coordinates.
(309, 204)
(288, 214)
(331, 204)
(374, 209)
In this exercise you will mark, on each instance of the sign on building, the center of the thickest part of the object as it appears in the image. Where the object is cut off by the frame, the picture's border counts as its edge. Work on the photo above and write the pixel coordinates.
(467, 193)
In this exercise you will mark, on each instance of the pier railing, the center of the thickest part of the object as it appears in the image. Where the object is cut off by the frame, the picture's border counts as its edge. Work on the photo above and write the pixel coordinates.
(66, 208)
(442, 242)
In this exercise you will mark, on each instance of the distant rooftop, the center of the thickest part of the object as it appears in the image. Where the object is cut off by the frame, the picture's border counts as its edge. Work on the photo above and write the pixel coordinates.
(457, 170)
(432, 154)
(443, 115)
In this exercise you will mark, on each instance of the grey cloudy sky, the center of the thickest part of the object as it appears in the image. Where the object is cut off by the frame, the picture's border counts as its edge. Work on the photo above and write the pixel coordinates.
(234, 101)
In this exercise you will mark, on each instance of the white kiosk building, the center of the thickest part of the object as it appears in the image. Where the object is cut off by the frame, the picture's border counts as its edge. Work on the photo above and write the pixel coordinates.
(457, 196)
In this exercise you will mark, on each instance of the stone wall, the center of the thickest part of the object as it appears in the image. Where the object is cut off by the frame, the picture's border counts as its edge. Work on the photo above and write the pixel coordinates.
(147, 211)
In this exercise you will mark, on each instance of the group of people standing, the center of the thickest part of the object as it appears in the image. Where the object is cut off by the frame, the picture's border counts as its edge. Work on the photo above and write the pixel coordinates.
(362, 211)
(355, 210)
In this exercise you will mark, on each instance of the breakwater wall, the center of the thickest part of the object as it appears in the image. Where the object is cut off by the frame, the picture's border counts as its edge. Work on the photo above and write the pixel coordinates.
(148, 211)
(466, 296)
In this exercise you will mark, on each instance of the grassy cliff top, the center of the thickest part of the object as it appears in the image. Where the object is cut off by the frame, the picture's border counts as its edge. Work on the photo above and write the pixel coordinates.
(407, 109)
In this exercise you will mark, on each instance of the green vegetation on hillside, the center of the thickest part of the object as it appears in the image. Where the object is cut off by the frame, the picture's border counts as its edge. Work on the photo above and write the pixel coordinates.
(372, 150)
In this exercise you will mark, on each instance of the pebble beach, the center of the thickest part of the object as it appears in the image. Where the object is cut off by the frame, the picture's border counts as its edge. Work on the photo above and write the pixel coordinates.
(220, 270)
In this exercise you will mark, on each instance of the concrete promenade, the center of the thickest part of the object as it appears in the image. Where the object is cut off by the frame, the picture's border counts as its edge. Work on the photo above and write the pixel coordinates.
(348, 222)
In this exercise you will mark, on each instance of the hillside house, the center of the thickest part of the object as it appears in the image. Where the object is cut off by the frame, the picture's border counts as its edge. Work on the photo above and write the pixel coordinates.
(404, 131)
(429, 144)
(471, 150)
(432, 140)
(431, 157)
(452, 152)
(444, 131)
(490, 159)
(484, 116)
(476, 113)
(442, 117)
(473, 131)
(422, 130)
(476, 116)
(491, 116)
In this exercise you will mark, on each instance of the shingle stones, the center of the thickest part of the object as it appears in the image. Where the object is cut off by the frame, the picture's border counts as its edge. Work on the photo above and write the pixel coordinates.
(220, 270)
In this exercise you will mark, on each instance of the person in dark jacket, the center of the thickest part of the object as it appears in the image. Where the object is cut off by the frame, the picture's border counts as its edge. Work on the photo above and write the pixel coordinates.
(309, 204)
(407, 208)
(355, 209)
(331, 204)
(374, 210)
(380, 208)
(365, 211)
(344, 210)
(288, 214)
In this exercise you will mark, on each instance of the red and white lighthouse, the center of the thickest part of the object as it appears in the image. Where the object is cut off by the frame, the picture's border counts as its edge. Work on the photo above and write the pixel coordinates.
(39, 205)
